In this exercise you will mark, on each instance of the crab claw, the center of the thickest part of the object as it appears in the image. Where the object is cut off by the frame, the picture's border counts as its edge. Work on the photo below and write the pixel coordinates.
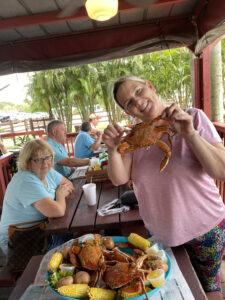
(165, 148)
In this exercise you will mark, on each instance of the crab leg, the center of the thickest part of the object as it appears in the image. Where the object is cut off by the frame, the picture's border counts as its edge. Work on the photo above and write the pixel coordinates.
(117, 255)
(165, 148)
(143, 288)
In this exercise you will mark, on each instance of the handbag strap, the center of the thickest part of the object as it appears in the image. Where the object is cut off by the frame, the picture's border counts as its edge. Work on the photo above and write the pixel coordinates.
(42, 225)
(27, 223)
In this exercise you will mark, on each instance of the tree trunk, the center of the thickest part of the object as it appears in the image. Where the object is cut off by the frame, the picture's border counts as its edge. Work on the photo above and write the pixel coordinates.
(216, 84)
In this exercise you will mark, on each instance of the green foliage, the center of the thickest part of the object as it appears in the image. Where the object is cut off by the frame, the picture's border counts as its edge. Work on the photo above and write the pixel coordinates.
(21, 140)
(7, 106)
(223, 62)
(169, 72)
(80, 88)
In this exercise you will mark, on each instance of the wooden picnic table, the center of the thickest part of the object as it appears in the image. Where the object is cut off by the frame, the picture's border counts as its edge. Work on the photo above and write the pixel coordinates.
(180, 254)
(82, 218)
(62, 224)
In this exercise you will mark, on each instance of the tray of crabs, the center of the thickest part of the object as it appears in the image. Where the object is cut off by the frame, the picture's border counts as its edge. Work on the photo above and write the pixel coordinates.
(108, 268)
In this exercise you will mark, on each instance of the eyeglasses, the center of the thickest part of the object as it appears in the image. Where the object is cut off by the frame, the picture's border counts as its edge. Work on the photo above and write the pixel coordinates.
(41, 160)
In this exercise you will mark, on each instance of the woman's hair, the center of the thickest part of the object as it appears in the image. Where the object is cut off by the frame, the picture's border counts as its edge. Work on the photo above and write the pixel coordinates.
(30, 150)
(120, 81)
(85, 126)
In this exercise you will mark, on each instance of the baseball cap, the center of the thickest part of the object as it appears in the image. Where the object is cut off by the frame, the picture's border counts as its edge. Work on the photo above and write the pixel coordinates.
(94, 116)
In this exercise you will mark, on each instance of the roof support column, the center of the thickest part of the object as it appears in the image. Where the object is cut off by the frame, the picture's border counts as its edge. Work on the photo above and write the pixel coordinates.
(201, 82)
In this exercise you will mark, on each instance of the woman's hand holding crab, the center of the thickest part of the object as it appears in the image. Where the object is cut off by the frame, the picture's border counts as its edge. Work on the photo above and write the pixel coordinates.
(112, 136)
(180, 120)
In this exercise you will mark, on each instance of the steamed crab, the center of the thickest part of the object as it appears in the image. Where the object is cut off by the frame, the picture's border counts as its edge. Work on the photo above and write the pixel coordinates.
(90, 257)
(119, 270)
(144, 135)
(127, 274)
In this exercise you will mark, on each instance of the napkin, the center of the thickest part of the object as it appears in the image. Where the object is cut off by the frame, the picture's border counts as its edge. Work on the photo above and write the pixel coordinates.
(111, 208)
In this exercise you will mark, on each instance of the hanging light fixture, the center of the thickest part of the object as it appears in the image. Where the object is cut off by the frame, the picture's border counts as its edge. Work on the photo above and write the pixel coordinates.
(101, 10)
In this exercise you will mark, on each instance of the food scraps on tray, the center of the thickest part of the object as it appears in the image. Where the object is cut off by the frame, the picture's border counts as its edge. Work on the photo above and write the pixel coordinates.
(96, 268)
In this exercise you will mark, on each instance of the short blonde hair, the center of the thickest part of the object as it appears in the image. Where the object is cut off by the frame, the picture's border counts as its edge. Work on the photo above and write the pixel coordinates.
(120, 81)
(32, 149)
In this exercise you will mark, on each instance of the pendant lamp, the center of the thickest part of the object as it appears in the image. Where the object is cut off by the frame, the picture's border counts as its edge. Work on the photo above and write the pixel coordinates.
(101, 10)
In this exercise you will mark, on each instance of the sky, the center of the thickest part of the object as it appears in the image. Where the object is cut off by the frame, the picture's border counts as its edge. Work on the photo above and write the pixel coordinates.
(16, 91)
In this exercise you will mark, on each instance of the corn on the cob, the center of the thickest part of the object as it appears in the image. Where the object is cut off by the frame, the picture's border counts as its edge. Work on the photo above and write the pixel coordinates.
(127, 295)
(101, 294)
(138, 241)
(73, 290)
(54, 261)
(148, 289)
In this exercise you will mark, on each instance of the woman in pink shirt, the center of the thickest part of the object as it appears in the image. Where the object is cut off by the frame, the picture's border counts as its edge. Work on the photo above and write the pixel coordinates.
(180, 205)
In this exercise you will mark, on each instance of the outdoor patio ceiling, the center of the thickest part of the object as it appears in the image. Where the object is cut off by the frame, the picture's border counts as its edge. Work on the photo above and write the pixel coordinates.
(34, 37)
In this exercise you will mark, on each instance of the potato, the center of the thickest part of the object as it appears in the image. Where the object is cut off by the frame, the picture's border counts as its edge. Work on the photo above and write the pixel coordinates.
(64, 281)
(109, 243)
(65, 252)
(81, 277)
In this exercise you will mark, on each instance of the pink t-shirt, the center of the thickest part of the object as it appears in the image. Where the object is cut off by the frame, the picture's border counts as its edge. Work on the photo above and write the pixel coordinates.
(182, 202)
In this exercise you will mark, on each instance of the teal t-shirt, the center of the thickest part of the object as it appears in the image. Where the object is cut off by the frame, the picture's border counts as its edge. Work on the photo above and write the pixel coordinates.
(82, 145)
(60, 153)
(24, 189)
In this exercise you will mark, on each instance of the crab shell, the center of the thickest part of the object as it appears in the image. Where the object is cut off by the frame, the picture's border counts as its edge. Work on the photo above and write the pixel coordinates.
(91, 257)
(144, 135)
(120, 274)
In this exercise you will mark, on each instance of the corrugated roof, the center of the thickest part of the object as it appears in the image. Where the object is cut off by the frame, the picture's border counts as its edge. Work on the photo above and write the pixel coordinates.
(33, 37)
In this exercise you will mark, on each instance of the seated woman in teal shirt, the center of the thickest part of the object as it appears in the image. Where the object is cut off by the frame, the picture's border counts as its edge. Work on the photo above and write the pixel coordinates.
(35, 192)
(85, 145)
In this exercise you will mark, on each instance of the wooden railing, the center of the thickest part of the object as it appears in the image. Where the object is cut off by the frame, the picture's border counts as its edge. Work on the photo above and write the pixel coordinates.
(69, 144)
(220, 127)
(23, 133)
(5, 175)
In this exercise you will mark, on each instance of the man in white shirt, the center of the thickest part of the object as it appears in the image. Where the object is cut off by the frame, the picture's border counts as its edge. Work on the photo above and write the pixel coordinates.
(93, 120)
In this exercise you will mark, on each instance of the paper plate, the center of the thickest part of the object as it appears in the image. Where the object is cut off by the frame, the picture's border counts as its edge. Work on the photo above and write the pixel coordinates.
(122, 239)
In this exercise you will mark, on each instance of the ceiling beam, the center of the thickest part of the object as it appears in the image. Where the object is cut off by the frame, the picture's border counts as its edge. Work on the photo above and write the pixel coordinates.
(94, 40)
(209, 17)
(167, 2)
(53, 17)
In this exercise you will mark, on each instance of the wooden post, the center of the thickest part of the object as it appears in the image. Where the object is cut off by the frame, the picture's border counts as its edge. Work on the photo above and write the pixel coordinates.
(45, 127)
(26, 125)
(12, 130)
(31, 124)
(201, 80)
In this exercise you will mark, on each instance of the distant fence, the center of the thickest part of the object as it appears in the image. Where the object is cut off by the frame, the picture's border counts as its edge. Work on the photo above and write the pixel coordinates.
(41, 124)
